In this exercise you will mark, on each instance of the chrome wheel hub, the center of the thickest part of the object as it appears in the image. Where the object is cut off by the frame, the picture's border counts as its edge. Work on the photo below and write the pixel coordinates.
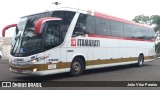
(77, 66)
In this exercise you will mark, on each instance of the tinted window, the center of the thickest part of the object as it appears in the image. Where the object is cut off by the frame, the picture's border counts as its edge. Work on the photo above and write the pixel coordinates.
(56, 30)
(102, 26)
(145, 33)
(116, 28)
(28, 42)
(32, 43)
(129, 30)
(151, 33)
(52, 37)
(148, 33)
(67, 17)
(84, 25)
(138, 32)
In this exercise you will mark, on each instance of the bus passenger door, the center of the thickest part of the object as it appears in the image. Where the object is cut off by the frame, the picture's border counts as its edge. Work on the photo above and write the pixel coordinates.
(51, 47)
(53, 60)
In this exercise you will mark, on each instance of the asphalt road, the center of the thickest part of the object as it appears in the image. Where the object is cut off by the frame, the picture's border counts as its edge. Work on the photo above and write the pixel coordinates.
(149, 72)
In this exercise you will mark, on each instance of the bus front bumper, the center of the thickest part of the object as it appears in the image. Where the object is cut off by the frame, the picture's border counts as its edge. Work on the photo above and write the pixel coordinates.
(38, 69)
(32, 69)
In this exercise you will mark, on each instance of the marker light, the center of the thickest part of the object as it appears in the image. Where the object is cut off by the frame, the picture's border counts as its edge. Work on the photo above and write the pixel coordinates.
(34, 70)
(34, 61)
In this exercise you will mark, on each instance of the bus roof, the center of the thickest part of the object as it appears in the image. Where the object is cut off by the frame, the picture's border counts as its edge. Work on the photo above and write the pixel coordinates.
(106, 16)
(98, 14)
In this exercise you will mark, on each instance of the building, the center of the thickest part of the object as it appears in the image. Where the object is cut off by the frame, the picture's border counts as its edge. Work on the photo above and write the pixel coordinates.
(5, 46)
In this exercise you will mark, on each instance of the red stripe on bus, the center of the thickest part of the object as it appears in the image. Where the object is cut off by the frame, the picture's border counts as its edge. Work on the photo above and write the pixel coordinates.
(121, 38)
(105, 16)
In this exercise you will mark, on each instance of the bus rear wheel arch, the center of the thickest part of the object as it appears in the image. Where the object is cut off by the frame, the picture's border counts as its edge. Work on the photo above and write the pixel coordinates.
(140, 60)
(77, 66)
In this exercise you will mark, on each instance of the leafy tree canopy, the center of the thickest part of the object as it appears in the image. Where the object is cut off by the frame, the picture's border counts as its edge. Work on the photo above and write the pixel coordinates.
(149, 20)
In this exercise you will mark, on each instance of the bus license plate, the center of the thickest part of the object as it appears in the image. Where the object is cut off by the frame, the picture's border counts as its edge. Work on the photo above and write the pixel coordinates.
(19, 70)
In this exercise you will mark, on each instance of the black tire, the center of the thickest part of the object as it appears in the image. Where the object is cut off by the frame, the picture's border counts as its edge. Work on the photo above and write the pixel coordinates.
(77, 67)
(140, 60)
(0, 57)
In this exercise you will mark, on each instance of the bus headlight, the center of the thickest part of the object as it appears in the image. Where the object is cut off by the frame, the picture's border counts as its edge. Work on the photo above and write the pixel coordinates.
(34, 61)
(34, 70)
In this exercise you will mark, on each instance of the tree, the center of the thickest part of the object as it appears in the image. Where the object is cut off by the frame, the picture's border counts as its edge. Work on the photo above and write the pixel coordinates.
(149, 20)
(156, 21)
(142, 19)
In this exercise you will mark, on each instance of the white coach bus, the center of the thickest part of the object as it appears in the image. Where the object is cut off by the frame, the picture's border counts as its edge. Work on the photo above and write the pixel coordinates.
(72, 40)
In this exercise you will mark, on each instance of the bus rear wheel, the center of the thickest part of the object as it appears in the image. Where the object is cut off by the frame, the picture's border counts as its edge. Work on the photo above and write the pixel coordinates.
(140, 60)
(77, 67)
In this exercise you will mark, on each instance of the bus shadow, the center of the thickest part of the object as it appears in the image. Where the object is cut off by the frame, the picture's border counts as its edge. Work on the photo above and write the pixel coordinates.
(43, 78)
(111, 69)
(86, 72)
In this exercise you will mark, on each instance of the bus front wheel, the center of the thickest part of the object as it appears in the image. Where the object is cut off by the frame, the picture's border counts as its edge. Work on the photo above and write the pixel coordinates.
(140, 60)
(77, 67)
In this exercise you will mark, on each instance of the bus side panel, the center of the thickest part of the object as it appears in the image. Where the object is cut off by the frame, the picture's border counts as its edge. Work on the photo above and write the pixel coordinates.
(90, 57)
(52, 61)
(100, 55)
(74, 51)
(64, 64)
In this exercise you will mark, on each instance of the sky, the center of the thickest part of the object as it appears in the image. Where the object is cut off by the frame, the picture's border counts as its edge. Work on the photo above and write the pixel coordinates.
(12, 10)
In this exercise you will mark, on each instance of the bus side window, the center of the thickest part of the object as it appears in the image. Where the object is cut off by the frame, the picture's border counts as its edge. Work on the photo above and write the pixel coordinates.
(129, 31)
(67, 17)
(79, 29)
(84, 25)
(116, 28)
(102, 26)
(52, 37)
(138, 32)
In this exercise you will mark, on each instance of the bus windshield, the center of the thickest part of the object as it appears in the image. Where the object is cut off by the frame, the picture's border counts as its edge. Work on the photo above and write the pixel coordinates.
(27, 42)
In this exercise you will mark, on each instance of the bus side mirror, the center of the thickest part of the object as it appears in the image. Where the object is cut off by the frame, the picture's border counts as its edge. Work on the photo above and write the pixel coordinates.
(38, 27)
(7, 27)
